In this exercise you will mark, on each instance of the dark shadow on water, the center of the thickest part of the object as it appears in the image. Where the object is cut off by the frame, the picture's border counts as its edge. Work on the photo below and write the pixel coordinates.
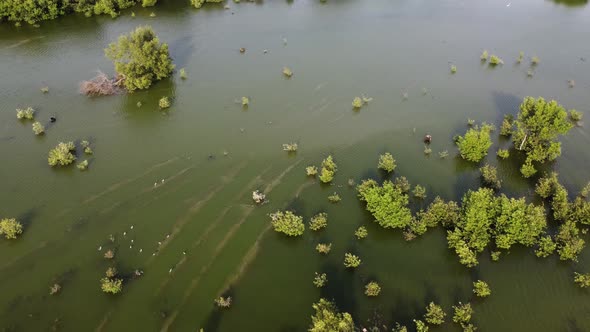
(505, 103)
(181, 49)
(339, 288)
(26, 219)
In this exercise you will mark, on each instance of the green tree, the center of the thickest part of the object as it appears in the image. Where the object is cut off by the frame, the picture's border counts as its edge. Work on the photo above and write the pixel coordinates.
(386, 162)
(10, 228)
(111, 285)
(569, 242)
(140, 59)
(287, 223)
(481, 288)
(435, 314)
(318, 221)
(329, 168)
(517, 222)
(372, 289)
(489, 175)
(62, 154)
(351, 261)
(440, 212)
(387, 203)
(475, 144)
(327, 318)
(583, 280)
(538, 125)
(462, 313)
(546, 246)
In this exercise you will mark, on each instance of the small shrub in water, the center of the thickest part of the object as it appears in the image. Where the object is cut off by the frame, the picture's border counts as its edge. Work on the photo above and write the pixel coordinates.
(54, 289)
(470, 122)
(421, 326)
(258, 196)
(435, 314)
(25, 114)
(83, 165)
(287, 223)
(62, 154)
(520, 57)
(507, 126)
(287, 72)
(245, 101)
(318, 221)
(503, 153)
(535, 60)
(453, 69)
(109, 254)
(152, 14)
(546, 247)
(357, 102)
(320, 280)
(311, 170)
(290, 147)
(583, 280)
(427, 150)
(183, 74)
(323, 248)
(148, 3)
(386, 162)
(45, 89)
(361, 232)
(372, 289)
(495, 60)
(481, 288)
(495, 255)
(334, 198)
(475, 144)
(164, 103)
(351, 261)
(38, 128)
(489, 174)
(111, 285)
(443, 154)
(329, 168)
(462, 313)
(575, 116)
(10, 228)
(419, 192)
(223, 302)
(484, 55)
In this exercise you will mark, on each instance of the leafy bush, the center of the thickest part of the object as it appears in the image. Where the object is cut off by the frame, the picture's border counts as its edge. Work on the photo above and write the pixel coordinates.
(334, 198)
(462, 313)
(403, 184)
(475, 144)
(535, 60)
(546, 246)
(287, 223)
(82, 165)
(357, 102)
(245, 101)
(10, 228)
(372, 289)
(361, 232)
(583, 280)
(111, 285)
(320, 280)
(484, 55)
(576, 116)
(386, 162)
(387, 203)
(318, 221)
(495, 60)
(419, 192)
(25, 114)
(183, 74)
(538, 125)
(435, 314)
(311, 170)
(351, 261)
(287, 72)
(290, 147)
(38, 128)
(517, 222)
(520, 57)
(569, 242)
(489, 174)
(443, 154)
(507, 125)
(148, 3)
(440, 212)
(140, 58)
(481, 289)
(327, 318)
(62, 154)
(223, 302)
(164, 103)
(421, 326)
(503, 153)
(453, 69)
(329, 168)
(323, 248)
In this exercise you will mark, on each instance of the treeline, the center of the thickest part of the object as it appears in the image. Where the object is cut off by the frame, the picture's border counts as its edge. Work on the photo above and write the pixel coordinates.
(33, 11)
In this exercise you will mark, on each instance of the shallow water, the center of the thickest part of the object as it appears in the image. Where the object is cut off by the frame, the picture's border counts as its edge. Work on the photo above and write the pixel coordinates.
(337, 50)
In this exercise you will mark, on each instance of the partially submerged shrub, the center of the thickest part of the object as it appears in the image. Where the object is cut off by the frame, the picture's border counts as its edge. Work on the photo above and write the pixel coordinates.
(101, 85)
(290, 147)
(164, 103)
(318, 221)
(86, 145)
(503, 153)
(489, 175)
(421, 326)
(54, 289)
(351, 261)
(245, 101)
(45, 89)
(507, 125)
(576, 116)
(320, 280)
(328, 318)
(25, 114)
(38, 128)
(140, 59)
(287, 223)
(223, 302)
(453, 69)
(403, 184)
(441, 212)
(427, 150)
(435, 314)
(386, 162)
(361, 232)
(462, 313)
(569, 242)
(481, 288)
(535, 60)
(323, 248)
(109, 254)
(443, 154)
(538, 126)
(82, 165)
(583, 280)
(495, 60)
(357, 102)
(546, 246)
(258, 196)
(520, 57)
(484, 55)
(475, 144)
(372, 289)
(62, 155)
(10, 228)
(334, 198)
(183, 74)
(311, 170)
(419, 192)
(111, 285)
(387, 203)
(287, 72)
(329, 168)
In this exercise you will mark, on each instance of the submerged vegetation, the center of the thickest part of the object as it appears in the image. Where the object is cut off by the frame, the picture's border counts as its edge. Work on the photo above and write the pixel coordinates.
(10, 228)
(481, 289)
(474, 145)
(328, 318)
(287, 223)
(25, 114)
(351, 261)
(435, 314)
(62, 155)
(372, 289)
(386, 162)
(328, 171)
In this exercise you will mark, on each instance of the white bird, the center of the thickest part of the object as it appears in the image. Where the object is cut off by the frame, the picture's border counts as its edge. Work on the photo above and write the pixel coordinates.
(130, 247)
(159, 243)
(155, 184)
(162, 180)
(140, 250)
(124, 233)
(170, 271)
(131, 241)
(100, 248)
(167, 235)
(508, 5)
(131, 227)
(154, 254)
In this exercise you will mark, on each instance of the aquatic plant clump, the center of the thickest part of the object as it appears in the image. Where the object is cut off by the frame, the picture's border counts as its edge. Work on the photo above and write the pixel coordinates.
(111, 285)
(507, 125)
(462, 313)
(489, 175)
(287, 223)
(334, 198)
(223, 302)
(474, 145)
(328, 318)
(311, 170)
(62, 155)
(318, 221)
(323, 248)
(503, 153)
(38, 128)
(320, 280)
(386, 162)
(419, 192)
(287, 72)
(582, 279)
(329, 168)
(164, 103)
(54, 289)
(351, 261)
(290, 147)
(357, 102)
(372, 289)
(387, 203)
(361, 232)
(435, 314)
(453, 69)
(25, 114)
(140, 59)
(82, 165)
(245, 101)
(183, 74)
(484, 55)
(576, 116)
(481, 288)
(10, 228)
(495, 60)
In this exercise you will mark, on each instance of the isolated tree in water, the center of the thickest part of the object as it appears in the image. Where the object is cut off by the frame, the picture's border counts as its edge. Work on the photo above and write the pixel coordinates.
(140, 59)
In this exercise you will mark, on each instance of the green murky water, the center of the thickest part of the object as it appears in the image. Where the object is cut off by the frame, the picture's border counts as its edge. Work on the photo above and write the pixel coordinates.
(336, 50)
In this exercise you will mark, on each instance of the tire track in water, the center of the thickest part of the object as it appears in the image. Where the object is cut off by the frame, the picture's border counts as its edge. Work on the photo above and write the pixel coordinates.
(194, 283)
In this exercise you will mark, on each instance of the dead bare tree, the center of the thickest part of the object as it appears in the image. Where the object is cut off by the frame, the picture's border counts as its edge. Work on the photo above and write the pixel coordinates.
(102, 85)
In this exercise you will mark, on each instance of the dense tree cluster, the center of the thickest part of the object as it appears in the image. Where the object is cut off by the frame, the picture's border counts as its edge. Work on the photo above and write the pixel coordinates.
(287, 223)
(318, 221)
(62, 154)
(327, 318)
(329, 168)
(388, 203)
(435, 314)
